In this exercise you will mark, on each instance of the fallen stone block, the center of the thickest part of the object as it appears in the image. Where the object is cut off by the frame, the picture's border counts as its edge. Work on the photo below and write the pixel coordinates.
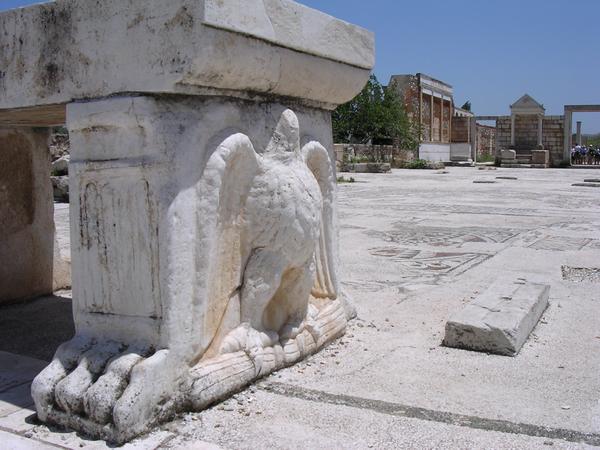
(508, 154)
(541, 157)
(371, 168)
(499, 320)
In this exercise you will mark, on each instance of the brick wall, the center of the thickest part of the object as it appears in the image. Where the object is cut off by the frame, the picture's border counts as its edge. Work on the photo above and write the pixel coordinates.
(437, 110)
(460, 129)
(447, 116)
(426, 118)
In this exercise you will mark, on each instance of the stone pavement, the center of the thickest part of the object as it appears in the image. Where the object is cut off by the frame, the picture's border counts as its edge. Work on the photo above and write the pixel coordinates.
(416, 247)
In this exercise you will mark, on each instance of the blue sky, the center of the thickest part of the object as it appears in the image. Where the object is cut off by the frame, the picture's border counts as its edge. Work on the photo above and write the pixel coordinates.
(491, 51)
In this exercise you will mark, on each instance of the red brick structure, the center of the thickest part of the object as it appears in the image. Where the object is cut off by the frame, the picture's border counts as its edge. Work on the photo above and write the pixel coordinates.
(429, 102)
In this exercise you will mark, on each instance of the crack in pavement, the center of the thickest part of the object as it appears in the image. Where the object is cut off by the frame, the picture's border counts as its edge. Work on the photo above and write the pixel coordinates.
(413, 412)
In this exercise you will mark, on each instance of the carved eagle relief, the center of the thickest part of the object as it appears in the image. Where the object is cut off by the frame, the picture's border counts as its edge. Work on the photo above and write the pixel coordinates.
(270, 247)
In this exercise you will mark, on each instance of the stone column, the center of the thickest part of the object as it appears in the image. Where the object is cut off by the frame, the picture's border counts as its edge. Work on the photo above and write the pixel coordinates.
(567, 131)
(26, 214)
(540, 132)
(431, 119)
(512, 130)
(473, 137)
(578, 132)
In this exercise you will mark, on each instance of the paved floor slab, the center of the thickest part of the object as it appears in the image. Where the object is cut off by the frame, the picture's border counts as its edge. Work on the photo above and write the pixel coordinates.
(417, 247)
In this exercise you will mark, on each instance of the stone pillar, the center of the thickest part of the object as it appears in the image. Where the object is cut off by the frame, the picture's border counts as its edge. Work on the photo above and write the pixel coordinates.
(512, 130)
(450, 115)
(578, 132)
(164, 267)
(431, 119)
(442, 119)
(26, 214)
(192, 275)
(421, 125)
(567, 131)
(473, 138)
(540, 131)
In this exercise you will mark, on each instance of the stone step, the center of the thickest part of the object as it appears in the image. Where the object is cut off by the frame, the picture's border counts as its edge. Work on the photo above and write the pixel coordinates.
(500, 319)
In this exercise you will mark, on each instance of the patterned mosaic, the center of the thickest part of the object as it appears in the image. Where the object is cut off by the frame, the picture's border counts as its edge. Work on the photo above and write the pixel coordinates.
(443, 237)
(426, 263)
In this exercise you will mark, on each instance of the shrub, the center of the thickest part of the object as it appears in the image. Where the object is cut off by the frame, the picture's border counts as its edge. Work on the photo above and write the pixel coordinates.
(417, 164)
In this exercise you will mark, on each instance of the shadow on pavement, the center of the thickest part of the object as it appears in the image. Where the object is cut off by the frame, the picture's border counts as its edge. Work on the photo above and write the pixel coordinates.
(37, 327)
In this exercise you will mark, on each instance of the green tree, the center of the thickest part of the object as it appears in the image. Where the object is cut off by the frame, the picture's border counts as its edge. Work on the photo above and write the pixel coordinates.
(376, 115)
(466, 106)
(593, 140)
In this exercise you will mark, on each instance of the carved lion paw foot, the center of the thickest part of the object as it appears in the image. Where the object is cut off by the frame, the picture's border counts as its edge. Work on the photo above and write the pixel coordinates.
(96, 383)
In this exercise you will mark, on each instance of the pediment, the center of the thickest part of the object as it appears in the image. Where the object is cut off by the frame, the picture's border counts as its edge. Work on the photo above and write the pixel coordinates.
(527, 104)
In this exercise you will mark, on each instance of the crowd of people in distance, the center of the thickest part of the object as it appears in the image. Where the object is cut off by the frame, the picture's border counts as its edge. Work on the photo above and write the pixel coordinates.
(585, 155)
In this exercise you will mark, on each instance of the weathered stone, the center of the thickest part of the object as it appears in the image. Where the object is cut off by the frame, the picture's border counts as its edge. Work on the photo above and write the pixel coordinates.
(60, 187)
(26, 221)
(370, 167)
(540, 157)
(61, 166)
(499, 320)
(247, 47)
(204, 239)
(508, 155)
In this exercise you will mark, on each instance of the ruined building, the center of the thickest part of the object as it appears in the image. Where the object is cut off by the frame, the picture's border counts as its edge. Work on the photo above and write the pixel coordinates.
(447, 132)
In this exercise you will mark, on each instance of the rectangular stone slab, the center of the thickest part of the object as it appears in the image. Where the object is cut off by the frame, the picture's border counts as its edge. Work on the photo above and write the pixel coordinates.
(67, 50)
(499, 320)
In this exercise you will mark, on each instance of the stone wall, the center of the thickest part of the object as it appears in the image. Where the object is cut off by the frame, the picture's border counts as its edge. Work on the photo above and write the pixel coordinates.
(460, 129)
(503, 132)
(552, 134)
(486, 140)
(553, 137)
(383, 153)
(526, 132)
